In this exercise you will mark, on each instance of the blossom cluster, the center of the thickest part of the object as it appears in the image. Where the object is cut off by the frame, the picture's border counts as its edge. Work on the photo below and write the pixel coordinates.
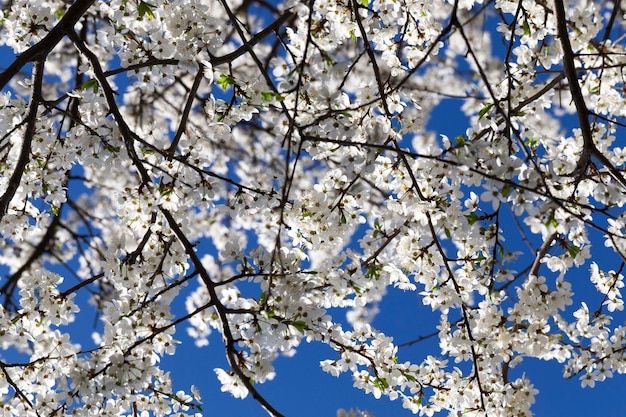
(263, 174)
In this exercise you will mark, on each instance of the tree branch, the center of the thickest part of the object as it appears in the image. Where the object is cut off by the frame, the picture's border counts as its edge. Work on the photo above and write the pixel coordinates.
(185, 114)
(247, 44)
(47, 44)
(231, 351)
(29, 132)
(589, 148)
(127, 134)
(572, 77)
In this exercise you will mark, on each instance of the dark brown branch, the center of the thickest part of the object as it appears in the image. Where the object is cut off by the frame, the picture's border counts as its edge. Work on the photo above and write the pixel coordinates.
(29, 132)
(533, 98)
(230, 57)
(589, 148)
(372, 57)
(231, 350)
(45, 242)
(81, 285)
(44, 46)
(185, 114)
(577, 96)
(418, 339)
(18, 392)
(541, 253)
(131, 258)
(128, 135)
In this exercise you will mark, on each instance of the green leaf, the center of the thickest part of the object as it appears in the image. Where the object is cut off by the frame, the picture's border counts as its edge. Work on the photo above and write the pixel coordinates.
(145, 9)
(381, 384)
(485, 110)
(573, 250)
(299, 325)
(91, 83)
(506, 190)
(526, 27)
(551, 221)
(165, 189)
(224, 81)
(373, 270)
(271, 96)
(502, 253)
(364, 3)
(59, 13)
(410, 378)
(472, 217)
(447, 232)
(112, 149)
(377, 228)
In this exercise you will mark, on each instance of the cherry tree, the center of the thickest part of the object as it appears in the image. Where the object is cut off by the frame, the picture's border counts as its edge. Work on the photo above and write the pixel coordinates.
(270, 166)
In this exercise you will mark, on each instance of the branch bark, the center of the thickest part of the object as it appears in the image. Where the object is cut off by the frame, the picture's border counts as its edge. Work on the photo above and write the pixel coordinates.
(569, 68)
(47, 44)
(231, 350)
(31, 117)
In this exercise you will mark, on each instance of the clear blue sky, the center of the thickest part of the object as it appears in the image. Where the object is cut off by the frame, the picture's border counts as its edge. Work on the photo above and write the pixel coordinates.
(302, 389)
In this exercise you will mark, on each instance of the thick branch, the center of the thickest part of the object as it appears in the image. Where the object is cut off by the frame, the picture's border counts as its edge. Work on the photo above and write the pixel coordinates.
(185, 115)
(248, 44)
(589, 148)
(231, 350)
(45, 242)
(44, 46)
(31, 117)
(577, 96)
(128, 135)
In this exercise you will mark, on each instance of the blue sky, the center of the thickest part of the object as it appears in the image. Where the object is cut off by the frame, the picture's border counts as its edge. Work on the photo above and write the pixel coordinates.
(302, 389)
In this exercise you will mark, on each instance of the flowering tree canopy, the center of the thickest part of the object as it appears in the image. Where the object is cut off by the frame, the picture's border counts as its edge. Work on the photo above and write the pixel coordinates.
(271, 167)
